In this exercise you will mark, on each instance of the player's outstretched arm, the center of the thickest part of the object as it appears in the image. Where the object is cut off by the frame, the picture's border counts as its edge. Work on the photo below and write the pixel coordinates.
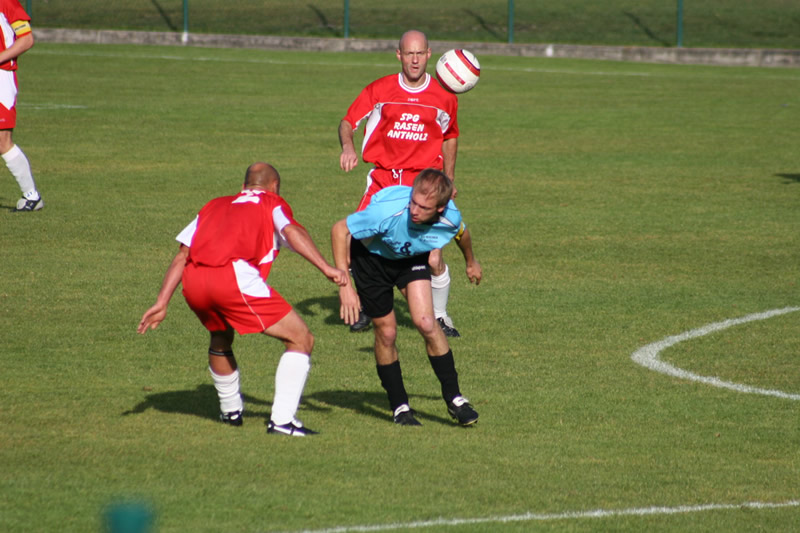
(158, 311)
(348, 158)
(349, 304)
(474, 271)
(301, 242)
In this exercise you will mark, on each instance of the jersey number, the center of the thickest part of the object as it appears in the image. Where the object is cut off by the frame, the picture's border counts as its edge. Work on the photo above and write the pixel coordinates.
(247, 196)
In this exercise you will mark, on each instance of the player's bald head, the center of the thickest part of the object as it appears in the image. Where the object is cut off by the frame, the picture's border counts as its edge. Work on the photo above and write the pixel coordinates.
(412, 39)
(262, 176)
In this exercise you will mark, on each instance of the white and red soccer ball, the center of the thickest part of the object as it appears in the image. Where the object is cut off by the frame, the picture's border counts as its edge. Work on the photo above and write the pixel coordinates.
(458, 70)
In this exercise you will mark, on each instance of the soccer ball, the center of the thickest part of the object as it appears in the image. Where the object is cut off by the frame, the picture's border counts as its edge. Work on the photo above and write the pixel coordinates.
(458, 70)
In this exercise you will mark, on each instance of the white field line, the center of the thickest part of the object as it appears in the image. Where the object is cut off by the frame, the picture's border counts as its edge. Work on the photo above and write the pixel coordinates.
(50, 106)
(573, 515)
(172, 57)
(648, 356)
(268, 61)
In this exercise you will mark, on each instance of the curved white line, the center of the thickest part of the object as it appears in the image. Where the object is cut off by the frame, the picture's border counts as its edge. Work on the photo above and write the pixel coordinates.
(647, 356)
(530, 517)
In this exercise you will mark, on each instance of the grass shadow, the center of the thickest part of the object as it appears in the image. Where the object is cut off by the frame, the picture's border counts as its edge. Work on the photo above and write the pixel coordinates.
(202, 402)
(789, 177)
(11, 207)
(373, 404)
(327, 305)
(330, 305)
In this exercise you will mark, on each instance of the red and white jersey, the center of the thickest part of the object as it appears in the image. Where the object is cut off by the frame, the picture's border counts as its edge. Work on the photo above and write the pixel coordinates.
(14, 22)
(244, 227)
(405, 125)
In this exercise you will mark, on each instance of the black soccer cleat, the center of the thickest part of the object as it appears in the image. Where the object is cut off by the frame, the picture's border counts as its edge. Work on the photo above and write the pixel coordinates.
(447, 326)
(234, 418)
(24, 205)
(404, 416)
(362, 324)
(294, 428)
(460, 409)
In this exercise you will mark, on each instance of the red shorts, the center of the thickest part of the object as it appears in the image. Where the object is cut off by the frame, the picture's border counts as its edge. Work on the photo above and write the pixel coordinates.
(8, 99)
(233, 295)
(380, 178)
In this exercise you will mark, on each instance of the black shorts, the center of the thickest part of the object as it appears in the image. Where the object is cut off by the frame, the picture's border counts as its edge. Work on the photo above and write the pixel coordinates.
(376, 277)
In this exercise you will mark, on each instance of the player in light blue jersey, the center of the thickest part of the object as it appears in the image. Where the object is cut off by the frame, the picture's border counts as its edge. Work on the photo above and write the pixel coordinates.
(391, 241)
(385, 228)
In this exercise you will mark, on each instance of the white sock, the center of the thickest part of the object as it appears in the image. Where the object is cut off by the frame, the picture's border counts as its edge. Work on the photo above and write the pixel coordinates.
(20, 168)
(230, 399)
(440, 286)
(290, 380)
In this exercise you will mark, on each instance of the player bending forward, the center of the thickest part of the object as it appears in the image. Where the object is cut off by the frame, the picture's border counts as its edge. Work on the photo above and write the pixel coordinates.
(223, 262)
(390, 244)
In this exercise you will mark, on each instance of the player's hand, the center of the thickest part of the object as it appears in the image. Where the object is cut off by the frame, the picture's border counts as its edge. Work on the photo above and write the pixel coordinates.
(152, 318)
(339, 277)
(348, 160)
(350, 305)
(474, 272)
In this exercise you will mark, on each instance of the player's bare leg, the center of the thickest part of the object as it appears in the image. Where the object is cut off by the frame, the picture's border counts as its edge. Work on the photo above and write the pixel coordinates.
(440, 356)
(389, 371)
(420, 306)
(291, 375)
(385, 337)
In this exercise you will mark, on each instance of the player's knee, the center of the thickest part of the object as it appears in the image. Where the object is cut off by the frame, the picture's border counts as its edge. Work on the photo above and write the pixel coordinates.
(302, 342)
(437, 264)
(307, 342)
(385, 335)
(426, 325)
(221, 341)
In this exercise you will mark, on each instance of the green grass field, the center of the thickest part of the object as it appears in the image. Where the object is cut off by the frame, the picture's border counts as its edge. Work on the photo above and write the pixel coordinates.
(706, 23)
(612, 206)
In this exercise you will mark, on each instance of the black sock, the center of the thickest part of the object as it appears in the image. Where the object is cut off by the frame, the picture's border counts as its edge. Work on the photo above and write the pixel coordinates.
(445, 369)
(392, 381)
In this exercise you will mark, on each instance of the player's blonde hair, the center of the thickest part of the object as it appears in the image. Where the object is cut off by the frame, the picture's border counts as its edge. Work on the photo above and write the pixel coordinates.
(436, 182)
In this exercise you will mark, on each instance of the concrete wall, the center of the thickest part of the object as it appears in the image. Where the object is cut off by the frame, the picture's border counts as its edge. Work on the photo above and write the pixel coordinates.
(689, 56)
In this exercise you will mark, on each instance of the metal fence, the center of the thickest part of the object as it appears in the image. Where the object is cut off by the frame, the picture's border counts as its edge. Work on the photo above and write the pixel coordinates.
(661, 23)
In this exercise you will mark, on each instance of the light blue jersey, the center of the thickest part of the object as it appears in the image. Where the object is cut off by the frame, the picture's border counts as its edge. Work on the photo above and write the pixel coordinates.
(385, 226)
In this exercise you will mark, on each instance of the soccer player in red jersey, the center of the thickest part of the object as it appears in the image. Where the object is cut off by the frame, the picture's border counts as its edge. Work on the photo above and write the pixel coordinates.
(223, 262)
(411, 125)
(17, 38)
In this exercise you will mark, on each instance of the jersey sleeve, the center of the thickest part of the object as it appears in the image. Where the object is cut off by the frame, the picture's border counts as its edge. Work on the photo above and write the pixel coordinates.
(452, 128)
(362, 225)
(280, 220)
(361, 106)
(282, 216)
(452, 217)
(14, 11)
(187, 234)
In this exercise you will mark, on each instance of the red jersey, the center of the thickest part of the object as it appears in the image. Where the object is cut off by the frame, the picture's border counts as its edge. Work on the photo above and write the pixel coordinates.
(405, 125)
(247, 226)
(14, 22)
